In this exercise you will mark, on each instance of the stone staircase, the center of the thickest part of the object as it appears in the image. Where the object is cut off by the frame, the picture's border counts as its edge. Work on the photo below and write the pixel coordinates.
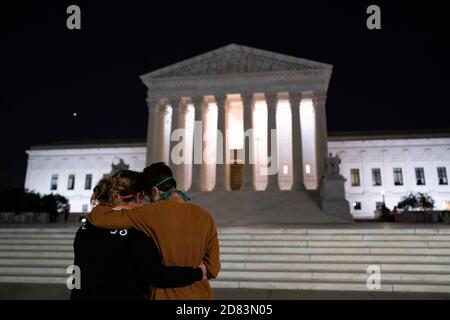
(411, 260)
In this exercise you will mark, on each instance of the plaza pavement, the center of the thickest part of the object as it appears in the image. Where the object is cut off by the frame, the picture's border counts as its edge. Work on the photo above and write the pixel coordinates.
(16, 291)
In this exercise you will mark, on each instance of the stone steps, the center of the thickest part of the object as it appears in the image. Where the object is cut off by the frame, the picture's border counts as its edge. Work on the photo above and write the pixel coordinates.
(367, 259)
(349, 277)
(337, 231)
(267, 243)
(256, 231)
(343, 251)
(327, 286)
(318, 237)
(34, 265)
(268, 250)
(411, 260)
(36, 254)
(271, 237)
(63, 258)
(389, 278)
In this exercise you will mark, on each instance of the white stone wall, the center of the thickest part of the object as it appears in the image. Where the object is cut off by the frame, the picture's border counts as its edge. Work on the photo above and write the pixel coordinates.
(42, 164)
(407, 154)
(355, 154)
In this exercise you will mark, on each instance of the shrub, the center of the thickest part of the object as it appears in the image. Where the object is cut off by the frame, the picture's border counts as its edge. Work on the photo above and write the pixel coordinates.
(21, 200)
(419, 200)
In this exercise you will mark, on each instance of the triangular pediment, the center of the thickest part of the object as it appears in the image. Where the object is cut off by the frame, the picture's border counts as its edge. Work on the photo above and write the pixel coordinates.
(235, 59)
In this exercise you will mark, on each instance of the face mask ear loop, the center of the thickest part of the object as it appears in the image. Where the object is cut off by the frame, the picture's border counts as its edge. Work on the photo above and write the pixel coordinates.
(166, 195)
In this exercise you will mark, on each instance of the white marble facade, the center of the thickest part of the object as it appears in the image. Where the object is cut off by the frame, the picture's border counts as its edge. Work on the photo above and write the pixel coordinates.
(78, 163)
(227, 92)
(231, 90)
(396, 157)
(365, 154)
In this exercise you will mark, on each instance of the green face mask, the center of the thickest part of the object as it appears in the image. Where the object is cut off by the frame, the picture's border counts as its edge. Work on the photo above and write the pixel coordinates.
(166, 195)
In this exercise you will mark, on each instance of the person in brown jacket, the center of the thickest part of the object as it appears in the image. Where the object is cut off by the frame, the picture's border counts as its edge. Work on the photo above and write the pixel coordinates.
(184, 232)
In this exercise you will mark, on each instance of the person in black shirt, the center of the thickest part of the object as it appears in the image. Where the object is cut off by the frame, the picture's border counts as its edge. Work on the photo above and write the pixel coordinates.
(123, 264)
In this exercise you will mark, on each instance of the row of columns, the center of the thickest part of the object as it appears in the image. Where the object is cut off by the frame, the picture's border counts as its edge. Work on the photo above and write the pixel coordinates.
(157, 147)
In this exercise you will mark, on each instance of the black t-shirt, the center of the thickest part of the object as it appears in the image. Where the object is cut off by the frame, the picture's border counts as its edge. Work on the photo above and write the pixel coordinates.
(123, 264)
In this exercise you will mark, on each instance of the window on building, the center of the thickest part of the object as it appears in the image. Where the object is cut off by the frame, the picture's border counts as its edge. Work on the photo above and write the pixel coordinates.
(442, 176)
(88, 182)
(54, 182)
(356, 205)
(85, 208)
(355, 177)
(420, 177)
(71, 182)
(398, 177)
(376, 177)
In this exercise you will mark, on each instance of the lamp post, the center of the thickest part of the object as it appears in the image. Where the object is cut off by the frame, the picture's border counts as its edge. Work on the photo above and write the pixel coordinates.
(383, 193)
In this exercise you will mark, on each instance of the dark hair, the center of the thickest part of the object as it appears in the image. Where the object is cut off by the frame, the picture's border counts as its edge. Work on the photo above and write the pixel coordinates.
(157, 172)
(112, 188)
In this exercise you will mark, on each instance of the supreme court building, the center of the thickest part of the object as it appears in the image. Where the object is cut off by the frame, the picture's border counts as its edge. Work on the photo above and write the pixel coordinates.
(234, 90)
(220, 120)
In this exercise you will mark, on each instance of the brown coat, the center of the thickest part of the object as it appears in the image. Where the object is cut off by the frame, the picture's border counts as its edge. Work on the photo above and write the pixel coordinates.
(185, 233)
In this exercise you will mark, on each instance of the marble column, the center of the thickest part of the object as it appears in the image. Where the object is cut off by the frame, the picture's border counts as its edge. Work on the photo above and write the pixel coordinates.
(152, 130)
(221, 102)
(159, 149)
(204, 167)
(184, 167)
(197, 158)
(297, 148)
(272, 102)
(319, 101)
(247, 102)
(176, 124)
(163, 143)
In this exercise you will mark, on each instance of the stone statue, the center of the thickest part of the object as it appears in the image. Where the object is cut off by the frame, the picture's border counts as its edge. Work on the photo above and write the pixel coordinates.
(332, 190)
(117, 167)
(332, 166)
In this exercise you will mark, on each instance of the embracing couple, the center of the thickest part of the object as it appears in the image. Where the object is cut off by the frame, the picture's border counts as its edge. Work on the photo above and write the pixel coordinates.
(165, 249)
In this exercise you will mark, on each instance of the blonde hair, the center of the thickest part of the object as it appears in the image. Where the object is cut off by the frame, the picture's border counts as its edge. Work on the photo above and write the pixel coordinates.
(111, 189)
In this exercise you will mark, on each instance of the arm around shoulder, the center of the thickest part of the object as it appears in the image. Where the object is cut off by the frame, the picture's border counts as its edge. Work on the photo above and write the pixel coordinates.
(108, 218)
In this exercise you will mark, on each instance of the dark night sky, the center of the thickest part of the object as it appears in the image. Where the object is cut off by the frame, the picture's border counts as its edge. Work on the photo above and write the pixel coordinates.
(396, 78)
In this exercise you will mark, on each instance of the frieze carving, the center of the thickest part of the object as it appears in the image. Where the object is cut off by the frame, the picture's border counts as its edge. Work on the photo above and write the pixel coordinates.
(230, 68)
(235, 62)
(298, 75)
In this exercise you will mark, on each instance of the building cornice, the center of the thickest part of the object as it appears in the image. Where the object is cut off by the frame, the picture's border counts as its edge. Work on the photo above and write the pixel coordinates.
(389, 135)
(233, 83)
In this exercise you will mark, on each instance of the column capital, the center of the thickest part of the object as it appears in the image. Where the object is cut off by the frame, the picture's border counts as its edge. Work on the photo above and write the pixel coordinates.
(154, 109)
(221, 99)
(175, 103)
(319, 95)
(295, 96)
(198, 101)
(271, 99)
(154, 103)
(247, 99)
